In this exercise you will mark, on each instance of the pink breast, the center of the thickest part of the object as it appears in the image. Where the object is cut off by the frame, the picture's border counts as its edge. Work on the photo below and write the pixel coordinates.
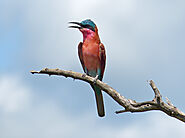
(90, 57)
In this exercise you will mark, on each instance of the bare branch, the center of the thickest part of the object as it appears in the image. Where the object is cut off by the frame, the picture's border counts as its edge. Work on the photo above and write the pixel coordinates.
(128, 104)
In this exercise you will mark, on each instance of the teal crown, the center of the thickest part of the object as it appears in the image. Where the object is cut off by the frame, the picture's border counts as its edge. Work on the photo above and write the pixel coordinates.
(88, 22)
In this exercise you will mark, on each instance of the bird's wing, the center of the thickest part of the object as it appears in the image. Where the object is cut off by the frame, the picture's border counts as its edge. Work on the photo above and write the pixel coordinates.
(80, 55)
(102, 57)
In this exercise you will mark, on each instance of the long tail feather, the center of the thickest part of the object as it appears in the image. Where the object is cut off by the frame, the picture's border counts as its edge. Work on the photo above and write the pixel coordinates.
(99, 100)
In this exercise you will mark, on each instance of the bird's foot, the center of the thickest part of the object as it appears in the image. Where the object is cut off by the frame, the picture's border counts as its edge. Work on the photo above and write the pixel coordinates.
(95, 79)
(83, 75)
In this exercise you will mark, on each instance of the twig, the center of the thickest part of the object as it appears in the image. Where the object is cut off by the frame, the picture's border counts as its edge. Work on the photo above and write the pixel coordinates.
(128, 104)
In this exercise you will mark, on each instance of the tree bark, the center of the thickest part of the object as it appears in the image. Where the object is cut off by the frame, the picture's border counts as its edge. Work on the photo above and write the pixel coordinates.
(129, 105)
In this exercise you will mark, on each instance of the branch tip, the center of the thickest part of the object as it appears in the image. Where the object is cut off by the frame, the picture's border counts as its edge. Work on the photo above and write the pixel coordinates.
(121, 111)
(33, 71)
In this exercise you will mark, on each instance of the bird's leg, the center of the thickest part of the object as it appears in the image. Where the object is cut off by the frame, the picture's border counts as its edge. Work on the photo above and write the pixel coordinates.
(95, 79)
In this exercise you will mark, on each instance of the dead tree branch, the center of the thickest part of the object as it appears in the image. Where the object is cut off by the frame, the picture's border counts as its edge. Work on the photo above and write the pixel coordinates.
(128, 104)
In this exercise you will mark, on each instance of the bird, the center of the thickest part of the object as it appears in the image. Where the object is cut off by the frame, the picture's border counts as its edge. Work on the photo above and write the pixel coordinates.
(92, 56)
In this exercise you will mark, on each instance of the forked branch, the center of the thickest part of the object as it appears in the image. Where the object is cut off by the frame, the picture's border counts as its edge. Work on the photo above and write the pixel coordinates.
(128, 104)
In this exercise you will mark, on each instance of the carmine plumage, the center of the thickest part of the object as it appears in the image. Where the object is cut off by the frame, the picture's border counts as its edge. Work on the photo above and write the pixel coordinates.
(92, 57)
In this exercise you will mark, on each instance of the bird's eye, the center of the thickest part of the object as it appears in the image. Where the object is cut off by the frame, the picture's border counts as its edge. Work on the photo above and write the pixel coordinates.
(87, 26)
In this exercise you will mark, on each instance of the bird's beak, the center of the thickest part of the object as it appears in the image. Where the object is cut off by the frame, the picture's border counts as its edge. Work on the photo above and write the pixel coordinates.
(76, 23)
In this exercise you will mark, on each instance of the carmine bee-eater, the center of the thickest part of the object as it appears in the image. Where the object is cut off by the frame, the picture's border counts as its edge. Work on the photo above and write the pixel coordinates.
(92, 57)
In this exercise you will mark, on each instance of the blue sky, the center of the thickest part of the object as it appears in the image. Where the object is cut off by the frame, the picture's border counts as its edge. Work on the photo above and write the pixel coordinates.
(143, 40)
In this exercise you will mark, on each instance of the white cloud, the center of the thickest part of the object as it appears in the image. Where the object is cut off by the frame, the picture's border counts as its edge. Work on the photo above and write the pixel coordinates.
(83, 7)
(48, 119)
(13, 94)
(154, 125)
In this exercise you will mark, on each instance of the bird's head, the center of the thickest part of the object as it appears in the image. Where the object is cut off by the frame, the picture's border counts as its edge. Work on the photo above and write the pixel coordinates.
(86, 27)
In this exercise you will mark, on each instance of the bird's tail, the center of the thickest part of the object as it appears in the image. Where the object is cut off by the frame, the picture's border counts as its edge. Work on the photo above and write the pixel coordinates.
(99, 100)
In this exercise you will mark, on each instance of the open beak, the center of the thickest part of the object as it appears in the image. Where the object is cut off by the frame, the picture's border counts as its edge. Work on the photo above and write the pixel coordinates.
(80, 26)
(74, 26)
